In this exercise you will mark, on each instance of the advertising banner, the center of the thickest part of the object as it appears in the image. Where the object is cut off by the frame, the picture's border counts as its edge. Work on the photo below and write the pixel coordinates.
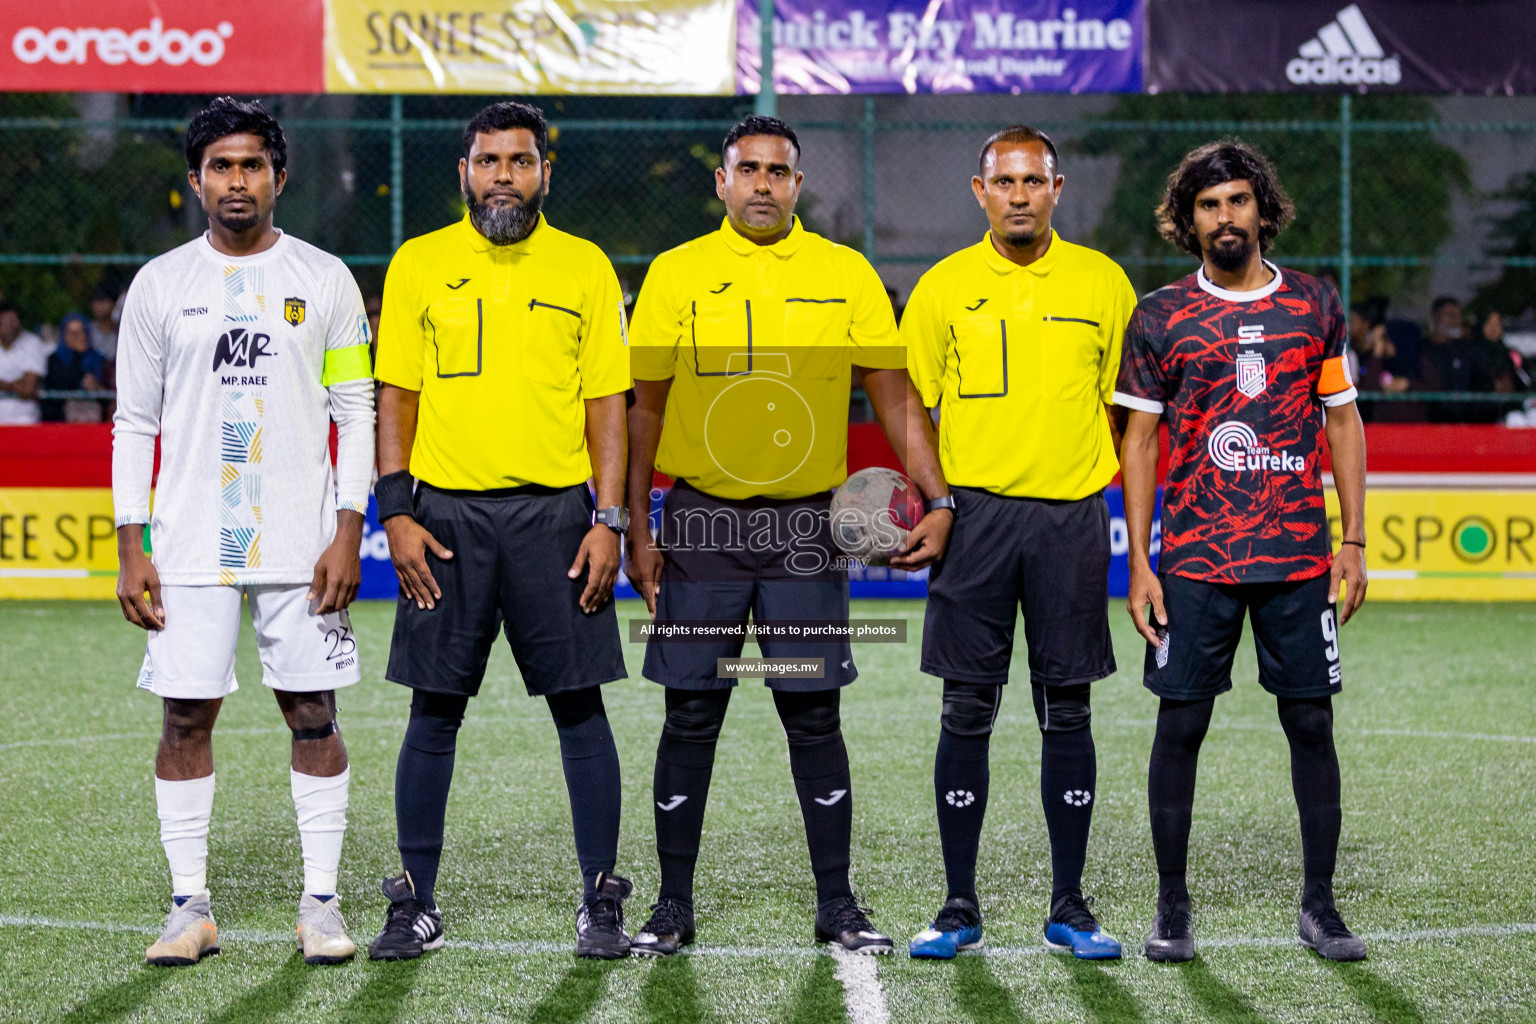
(1477, 46)
(161, 46)
(1448, 545)
(912, 46)
(645, 47)
(57, 542)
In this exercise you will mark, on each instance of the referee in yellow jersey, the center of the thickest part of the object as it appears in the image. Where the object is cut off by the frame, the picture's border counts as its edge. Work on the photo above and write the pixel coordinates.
(744, 345)
(504, 365)
(1017, 341)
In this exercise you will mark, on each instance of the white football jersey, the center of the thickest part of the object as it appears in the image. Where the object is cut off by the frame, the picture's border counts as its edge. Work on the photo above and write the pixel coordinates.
(239, 364)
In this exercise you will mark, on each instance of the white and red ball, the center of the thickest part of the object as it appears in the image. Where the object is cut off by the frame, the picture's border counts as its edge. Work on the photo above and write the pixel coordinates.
(873, 512)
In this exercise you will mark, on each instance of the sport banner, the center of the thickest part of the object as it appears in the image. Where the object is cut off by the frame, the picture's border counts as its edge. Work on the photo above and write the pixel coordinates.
(531, 46)
(1448, 545)
(161, 46)
(1474, 46)
(931, 46)
(57, 542)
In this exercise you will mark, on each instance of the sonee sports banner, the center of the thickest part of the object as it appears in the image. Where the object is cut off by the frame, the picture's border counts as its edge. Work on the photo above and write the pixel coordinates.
(1476, 46)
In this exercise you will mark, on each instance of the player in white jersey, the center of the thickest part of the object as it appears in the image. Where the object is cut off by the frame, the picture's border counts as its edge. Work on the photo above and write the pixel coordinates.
(237, 350)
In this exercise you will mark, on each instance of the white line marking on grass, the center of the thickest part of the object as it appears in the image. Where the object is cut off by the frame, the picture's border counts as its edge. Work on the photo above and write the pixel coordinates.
(862, 994)
(858, 967)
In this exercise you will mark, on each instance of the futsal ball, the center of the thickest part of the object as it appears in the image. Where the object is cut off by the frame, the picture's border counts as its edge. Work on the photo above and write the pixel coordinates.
(873, 512)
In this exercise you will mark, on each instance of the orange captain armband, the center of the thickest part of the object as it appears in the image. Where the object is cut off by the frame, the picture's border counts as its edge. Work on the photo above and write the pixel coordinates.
(1335, 377)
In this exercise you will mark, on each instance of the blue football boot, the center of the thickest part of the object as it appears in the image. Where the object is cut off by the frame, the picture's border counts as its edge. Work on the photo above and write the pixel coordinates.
(957, 927)
(1072, 928)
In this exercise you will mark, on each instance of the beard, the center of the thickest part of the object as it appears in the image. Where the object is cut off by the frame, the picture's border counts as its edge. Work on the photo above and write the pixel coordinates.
(1019, 239)
(238, 223)
(1228, 257)
(503, 225)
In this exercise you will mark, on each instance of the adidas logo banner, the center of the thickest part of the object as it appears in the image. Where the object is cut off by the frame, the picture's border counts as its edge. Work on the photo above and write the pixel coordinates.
(1325, 45)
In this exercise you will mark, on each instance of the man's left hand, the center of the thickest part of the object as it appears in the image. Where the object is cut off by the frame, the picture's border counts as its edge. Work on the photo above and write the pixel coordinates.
(339, 571)
(926, 542)
(1349, 566)
(599, 555)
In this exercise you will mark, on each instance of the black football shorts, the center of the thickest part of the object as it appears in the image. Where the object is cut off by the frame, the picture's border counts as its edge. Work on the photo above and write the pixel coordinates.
(1294, 629)
(1049, 557)
(511, 552)
(772, 558)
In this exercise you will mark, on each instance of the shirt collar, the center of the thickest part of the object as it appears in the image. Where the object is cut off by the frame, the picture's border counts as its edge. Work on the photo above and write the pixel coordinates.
(1231, 296)
(743, 246)
(479, 243)
(1003, 265)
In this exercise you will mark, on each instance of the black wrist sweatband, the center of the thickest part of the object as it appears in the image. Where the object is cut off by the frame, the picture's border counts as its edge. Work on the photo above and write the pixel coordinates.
(395, 493)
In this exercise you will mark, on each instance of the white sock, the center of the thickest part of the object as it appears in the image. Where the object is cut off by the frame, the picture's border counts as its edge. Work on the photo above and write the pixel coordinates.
(320, 803)
(184, 808)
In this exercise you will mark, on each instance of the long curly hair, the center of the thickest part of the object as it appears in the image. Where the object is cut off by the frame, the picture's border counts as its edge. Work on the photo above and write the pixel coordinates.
(1213, 164)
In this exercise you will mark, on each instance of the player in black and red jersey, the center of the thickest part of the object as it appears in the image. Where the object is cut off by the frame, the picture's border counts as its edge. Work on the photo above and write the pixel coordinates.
(1241, 358)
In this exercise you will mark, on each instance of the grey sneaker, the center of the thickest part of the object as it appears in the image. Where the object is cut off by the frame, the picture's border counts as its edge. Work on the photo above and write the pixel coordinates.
(190, 934)
(1325, 932)
(322, 934)
(1172, 938)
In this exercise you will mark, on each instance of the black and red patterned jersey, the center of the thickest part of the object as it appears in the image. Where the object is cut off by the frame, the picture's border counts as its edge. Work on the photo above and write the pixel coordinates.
(1240, 378)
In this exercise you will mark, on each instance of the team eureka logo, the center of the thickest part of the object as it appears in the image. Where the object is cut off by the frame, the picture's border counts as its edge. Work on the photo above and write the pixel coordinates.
(1234, 447)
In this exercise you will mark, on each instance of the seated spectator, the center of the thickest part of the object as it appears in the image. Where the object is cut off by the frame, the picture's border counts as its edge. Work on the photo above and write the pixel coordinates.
(23, 362)
(1374, 360)
(104, 322)
(75, 365)
(1455, 361)
(1510, 372)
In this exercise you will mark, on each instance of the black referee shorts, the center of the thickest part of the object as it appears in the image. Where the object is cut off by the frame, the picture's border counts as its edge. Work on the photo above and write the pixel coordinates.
(1294, 629)
(1049, 557)
(772, 558)
(511, 551)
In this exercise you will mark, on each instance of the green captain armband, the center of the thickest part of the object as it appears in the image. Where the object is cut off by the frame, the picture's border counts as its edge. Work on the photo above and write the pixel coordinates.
(346, 364)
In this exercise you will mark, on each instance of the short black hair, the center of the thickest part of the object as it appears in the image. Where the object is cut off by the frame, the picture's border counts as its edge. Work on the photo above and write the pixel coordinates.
(1019, 133)
(6, 307)
(1214, 164)
(1440, 303)
(759, 124)
(505, 116)
(226, 116)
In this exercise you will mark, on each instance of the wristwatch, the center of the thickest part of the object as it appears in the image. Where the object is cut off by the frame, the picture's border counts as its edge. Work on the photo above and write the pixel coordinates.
(615, 517)
(947, 501)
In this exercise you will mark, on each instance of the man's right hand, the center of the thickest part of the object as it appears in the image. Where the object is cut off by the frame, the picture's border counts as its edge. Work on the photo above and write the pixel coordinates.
(408, 544)
(644, 568)
(135, 575)
(1146, 589)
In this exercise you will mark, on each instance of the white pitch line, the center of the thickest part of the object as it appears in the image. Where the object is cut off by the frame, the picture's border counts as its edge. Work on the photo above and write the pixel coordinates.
(850, 962)
(862, 995)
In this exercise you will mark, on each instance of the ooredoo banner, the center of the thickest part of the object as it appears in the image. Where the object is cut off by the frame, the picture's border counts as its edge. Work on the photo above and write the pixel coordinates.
(1474, 46)
(912, 46)
(645, 47)
(161, 46)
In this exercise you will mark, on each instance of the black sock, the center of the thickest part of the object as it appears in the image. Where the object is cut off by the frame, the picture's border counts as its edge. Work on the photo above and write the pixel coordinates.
(423, 775)
(685, 759)
(960, 779)
(1308, 726)
(1068, 780)
(591, 763)
(818, 760)
(1181, 727)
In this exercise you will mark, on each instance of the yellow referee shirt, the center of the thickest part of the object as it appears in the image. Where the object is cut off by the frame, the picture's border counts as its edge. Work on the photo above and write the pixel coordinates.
(1024, 360)
(759, 342)
(505, 343)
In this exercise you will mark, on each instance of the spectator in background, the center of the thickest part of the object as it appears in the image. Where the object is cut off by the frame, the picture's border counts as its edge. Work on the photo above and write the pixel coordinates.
(1510, 374)
(23, 362)
(104, 322)
(373, 305)
(1376, 365)
(76, 365)
(1456, 361)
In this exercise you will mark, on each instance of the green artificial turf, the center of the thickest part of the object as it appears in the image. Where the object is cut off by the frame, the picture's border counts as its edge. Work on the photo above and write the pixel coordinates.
(1436, 735)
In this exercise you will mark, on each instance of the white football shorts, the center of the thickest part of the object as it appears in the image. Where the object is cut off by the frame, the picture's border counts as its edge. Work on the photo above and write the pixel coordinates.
(193, 658)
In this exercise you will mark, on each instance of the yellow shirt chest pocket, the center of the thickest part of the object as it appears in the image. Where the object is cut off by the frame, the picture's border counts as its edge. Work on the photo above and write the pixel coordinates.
(979, 354)
(550, 340)
(456, 327)
(1064, 358)
(816, 336)
(720, 335)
